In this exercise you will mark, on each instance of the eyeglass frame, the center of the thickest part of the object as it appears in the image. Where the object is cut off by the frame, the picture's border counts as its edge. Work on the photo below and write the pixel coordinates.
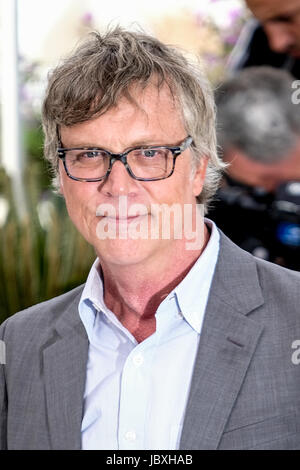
(176, 151)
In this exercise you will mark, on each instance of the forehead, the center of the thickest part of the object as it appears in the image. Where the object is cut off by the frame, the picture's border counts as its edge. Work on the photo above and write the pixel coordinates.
(266, 10)
(144, 114)
(149, 100)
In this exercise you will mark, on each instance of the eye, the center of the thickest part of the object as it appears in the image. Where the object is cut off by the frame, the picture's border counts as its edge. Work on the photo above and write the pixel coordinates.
(283, 19)
(92, 154)
(158, 152)
(149, 153)
(89, 154)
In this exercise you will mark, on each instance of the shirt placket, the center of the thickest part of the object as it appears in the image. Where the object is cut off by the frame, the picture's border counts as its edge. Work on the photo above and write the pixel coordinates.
(134, 396)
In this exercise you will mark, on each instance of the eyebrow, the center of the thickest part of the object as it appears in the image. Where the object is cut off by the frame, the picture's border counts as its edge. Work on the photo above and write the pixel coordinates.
(281, 18)
(148, 142)
(284, 16)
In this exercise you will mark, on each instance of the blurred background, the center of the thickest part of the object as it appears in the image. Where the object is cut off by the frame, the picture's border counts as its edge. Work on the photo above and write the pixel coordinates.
(41, 254)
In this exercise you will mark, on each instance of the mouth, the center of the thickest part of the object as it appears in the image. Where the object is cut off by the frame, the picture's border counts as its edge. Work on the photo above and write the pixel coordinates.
(121, 219)
(121, 213)
(131, 217)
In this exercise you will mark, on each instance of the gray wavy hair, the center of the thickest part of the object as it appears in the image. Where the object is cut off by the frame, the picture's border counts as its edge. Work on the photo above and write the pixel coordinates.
(256, 114)
(101, 70)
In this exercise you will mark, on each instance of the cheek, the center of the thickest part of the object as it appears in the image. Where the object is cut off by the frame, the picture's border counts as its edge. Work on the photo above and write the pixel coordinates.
(76, 197)
(81, 212)
(74, 208)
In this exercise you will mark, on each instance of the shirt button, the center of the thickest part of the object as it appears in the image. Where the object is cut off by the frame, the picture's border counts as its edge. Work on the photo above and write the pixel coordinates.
(130, 436)
(138, 360)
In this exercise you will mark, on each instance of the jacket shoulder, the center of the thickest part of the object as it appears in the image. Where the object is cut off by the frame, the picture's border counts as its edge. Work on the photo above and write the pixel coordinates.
(278, 277)
(275, 290)
(270, 275)
(45, 312)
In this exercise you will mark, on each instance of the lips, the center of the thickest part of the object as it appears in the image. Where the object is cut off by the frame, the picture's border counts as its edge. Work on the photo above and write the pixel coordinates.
(132, 217)
(117, 216)
(114, 215)
(121, 219)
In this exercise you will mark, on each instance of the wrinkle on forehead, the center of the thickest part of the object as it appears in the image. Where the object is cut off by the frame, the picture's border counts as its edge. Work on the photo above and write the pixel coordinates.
(145, 99)
(138, 93)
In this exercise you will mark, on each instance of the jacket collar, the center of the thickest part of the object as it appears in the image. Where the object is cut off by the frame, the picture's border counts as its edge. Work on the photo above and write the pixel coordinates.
(227, 344)
(65, 357)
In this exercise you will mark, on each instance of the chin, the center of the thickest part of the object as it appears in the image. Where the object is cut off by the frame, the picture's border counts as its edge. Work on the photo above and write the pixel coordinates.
(123, 252)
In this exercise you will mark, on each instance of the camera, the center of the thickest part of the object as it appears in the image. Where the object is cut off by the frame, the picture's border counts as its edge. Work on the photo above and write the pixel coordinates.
(262, 223)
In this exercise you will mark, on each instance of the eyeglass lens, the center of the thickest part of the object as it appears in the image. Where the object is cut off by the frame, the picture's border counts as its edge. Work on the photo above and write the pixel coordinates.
(144, 163)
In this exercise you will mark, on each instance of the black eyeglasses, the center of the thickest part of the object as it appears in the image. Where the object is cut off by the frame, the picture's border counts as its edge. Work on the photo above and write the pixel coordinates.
(149, 163)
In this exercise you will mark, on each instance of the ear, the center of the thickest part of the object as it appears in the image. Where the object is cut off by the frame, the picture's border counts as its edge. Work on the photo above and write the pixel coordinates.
(60, 180)
(199, 176)
(60, 189)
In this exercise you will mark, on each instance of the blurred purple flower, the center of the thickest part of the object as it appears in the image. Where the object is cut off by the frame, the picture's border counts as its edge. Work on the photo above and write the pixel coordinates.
(234, 14)
(211, 59)
(230, 39)
(199, 19)
(87, 19)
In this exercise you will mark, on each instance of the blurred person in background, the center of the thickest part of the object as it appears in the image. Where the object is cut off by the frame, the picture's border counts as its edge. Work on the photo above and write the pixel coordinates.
(258, 205)
(271, 38)
(166, 345)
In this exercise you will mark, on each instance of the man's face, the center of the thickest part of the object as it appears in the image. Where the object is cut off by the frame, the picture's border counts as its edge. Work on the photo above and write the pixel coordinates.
(269, 177)
(281, 22)
(156, 121)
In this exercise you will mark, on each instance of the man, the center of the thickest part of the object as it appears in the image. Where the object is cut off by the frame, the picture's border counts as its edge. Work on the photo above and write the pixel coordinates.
(273, 39)
(259, 135)
(167, 345)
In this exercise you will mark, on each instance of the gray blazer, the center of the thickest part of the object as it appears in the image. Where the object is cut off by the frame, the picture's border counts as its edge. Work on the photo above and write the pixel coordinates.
(245, 391)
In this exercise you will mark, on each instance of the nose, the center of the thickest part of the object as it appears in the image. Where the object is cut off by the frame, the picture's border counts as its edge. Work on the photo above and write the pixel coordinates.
(279, 36)
(119, 182)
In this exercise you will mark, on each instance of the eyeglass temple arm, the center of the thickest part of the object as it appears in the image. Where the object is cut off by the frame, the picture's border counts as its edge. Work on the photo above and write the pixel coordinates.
(186, 143)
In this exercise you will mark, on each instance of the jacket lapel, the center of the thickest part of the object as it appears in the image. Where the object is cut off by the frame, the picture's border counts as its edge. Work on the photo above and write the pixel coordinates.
(227, 343)
(65, 360)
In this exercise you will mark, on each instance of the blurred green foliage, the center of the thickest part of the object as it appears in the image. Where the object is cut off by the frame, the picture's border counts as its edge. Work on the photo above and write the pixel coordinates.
(43, 255)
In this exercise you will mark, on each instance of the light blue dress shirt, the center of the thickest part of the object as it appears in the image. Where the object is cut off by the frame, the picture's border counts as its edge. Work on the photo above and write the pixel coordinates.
(136, 393)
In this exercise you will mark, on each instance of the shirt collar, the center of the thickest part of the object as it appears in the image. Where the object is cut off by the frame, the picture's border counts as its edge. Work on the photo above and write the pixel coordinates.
(193, 291)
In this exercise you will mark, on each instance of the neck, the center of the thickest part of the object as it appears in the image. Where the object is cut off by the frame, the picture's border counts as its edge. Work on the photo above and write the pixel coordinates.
(134, 292)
